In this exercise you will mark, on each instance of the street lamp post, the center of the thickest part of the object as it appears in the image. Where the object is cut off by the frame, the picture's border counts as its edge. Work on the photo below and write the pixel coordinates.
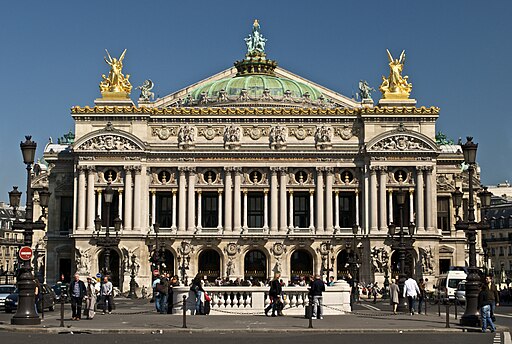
(107, 242)
(158, 253)
(132, 294)
(400, 200)
(26, 313)
(183, 262)
(470, 316)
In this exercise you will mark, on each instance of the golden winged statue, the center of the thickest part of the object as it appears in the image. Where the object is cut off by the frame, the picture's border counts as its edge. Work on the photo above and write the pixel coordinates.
(396, 85)
(116, 84)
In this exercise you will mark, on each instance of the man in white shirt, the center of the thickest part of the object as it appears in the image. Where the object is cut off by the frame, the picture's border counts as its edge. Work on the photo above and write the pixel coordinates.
(411, 291)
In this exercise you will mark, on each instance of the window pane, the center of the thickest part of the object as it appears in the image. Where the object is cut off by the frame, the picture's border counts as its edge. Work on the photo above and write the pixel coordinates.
(164, 209)
(66, 214)
(301, 209)
(255, 209)
(209, 210)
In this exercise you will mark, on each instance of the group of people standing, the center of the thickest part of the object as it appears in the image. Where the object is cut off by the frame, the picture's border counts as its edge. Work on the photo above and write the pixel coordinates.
(88, 292)
(163, 293)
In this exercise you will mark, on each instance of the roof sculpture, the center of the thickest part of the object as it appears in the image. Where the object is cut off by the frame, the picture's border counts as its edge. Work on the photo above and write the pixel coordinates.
(116, 85)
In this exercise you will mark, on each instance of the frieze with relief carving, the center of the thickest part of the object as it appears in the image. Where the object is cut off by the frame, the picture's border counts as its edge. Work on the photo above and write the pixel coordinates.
(399, 143)
(445, 182)
(255, 132)
(278, 137)
(108, 143)
(164, 132)
(302, 132)
(210, 132)
(186, 137)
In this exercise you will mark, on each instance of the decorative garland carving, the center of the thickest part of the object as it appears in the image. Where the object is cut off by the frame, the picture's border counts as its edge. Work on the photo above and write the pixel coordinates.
(399, 143)
(301, 132)
(108, 143)
(165, 132)
(210, 132)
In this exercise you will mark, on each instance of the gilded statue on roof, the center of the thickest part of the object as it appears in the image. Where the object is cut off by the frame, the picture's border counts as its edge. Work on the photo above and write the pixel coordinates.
(396, 85)
(116, 82)
(255, 42)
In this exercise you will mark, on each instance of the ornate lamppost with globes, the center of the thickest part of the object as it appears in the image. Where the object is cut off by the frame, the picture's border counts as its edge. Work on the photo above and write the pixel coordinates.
(400, 200)
(184, 262)
(107, 242)
(132, 294)
(26, 313)
(470, 316)
(158, 256)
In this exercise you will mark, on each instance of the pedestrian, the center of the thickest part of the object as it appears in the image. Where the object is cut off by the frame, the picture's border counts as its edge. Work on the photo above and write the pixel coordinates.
(274, 294)
(495, 296)
(106, 294)
(170, 296)
(422, 294)
(90, 297)
(155, 296)
(317, 287)
(375, 291)
(197, 288)
(485, 300)
(393, 294)
(163, 291)
(77, 292)
(411, 291)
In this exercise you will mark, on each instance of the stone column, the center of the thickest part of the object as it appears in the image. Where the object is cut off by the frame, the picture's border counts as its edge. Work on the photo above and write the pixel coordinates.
(411, 206)
(182, 194)
(428, 190)
(237, 200)
(245, 224)
(373, 199)
(336, 210)
(219, 219)
(383, 180)
(274, 203)
(265, 210)
(128, 199)
(98, 201)
(174, 210)
(329, 181)
(153, 207)
(390, 202)
(228, 198)
(199, 210)
(357, 206)
(283, 202)
(420, 199)
(137, 199)
(120, 203)
(320, 199)
(291, 225)
(75, 199)
(191, 209)
(80, 223)
(311, 210)
(91, 204)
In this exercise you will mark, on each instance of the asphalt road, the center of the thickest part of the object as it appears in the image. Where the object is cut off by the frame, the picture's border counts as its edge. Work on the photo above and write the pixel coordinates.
(303, 338)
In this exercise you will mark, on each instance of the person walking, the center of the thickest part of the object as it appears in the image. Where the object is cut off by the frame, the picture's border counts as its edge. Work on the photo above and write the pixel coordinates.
(393, 294)
(485, 300)
(494, 294)
(422, 294)
(90, 297)
(197, 288)
(411, 291)
(317, 287)
(163, 291)
(106, 294)
(156, 295)
(77, 292)
(274, 293)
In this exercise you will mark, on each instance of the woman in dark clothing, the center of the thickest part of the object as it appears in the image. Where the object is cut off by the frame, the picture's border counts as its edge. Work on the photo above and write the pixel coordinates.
(274, 293)
(485, 300)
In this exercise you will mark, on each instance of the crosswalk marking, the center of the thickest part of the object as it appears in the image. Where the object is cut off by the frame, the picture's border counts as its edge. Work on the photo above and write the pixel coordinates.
(497, 338)
(370, 307)
(506, 338)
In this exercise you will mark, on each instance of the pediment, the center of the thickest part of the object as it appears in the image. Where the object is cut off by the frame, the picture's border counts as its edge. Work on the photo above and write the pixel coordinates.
(401, 140)
(109, 139)
(173, 99)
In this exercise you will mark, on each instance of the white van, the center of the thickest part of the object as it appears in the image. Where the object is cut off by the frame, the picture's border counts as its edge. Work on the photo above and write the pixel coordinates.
(447, 283)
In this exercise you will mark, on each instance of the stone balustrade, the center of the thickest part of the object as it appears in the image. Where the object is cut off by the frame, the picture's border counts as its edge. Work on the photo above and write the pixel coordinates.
(253, 300)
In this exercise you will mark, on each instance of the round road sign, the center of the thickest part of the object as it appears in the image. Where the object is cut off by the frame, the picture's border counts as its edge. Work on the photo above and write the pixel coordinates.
(25, 253)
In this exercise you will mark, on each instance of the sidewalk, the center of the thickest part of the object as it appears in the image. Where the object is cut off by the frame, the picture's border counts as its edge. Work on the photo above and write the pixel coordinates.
(139, 316)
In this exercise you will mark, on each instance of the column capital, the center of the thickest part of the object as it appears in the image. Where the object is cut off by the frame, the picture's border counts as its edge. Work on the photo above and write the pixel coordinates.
(229, 168)
(245, 191)
(274, 169)
(91, 168)
(81, 169)
(373, 169)
(137, 169)
(381, 168)
(420, 168)
(153, 191)
(329, 170)
(336, 191)
(99, 190)
(290, 191)
(174, 191)
(390, 191)
(220, 191)
(119, 190)
(129, 168)
(356, 191)
(265, 191)
(320, 168)
(199, 191)
(429, 169)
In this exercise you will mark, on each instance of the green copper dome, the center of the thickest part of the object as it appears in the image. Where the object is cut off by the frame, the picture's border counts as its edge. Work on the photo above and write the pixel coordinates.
(255, 86)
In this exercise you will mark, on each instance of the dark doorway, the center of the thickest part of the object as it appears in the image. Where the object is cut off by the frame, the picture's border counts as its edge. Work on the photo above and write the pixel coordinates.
(168, 263)
(444, 265)
(255, 265)
(113, 268)
(209, 265)
(342, 266)
(409, 264)
(301, 264)
(65, 269)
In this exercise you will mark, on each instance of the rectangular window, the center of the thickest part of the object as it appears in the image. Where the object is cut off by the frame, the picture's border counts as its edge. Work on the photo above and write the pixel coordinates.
(66, 215)
(444, 265)
(405, 211)
(347, 209)
(112, 209)
(164, 209)
(255, 209)
(301, 209)
(443, 214)
(210, 209)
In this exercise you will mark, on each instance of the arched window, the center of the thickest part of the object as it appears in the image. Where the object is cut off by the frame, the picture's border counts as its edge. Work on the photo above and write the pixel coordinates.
(301, 264)
(209, 265)
(113, 266)
(255, 265)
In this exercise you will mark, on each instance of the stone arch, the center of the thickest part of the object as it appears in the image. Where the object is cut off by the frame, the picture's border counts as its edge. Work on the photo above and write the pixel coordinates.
(116, 274)
(109, 139)
(301, 263)
(411, 259)
(256, 264)
(209, 264)
(401, 140)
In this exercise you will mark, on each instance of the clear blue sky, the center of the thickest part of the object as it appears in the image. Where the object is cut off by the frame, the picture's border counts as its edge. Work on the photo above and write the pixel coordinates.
(458, 58)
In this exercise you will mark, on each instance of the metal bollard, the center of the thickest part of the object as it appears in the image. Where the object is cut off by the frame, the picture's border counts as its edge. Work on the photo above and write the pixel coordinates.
(310, 313)
(439, 302)
(448, 315)
(425, 301)
(455, 303)
(42, 307)
(61, 310)
(184, 311)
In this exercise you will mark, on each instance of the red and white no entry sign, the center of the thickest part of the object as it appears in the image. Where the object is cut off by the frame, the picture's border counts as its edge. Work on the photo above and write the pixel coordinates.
(25, 253)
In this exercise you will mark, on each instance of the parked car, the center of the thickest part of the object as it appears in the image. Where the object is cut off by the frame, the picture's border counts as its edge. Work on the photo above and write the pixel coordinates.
(11, 301)
(5, 290)
(460, 293)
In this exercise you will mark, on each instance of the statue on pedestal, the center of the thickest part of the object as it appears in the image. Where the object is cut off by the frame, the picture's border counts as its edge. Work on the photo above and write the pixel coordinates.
(116, 83)
(396, 85)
